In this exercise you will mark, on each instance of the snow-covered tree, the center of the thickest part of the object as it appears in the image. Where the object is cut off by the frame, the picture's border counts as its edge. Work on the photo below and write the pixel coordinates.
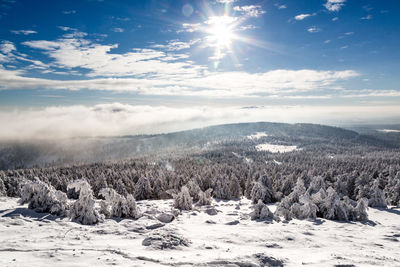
(183, 200)
(392, 190)
(194, 189)
(235, 188)
(44, 198)
(332, 207)
(377, 198)
(83, 209)
(361, 209)
(262, 190)
(261, 212)
(143, 189)
(116, 205)
(221, 188)
(305, 209)
(204, 198)
(2, 188)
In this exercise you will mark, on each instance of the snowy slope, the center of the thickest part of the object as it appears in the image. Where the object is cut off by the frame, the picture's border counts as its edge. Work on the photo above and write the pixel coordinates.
(28, 238)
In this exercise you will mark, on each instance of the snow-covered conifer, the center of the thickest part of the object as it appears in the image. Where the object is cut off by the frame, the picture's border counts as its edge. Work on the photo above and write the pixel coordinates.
(204, 198)
(361, 209)
(44, 198)
(83, 209)
(183, 200)
(261, 212)
(305, 209)
(116, 205)
(377, 198)
(143, 189)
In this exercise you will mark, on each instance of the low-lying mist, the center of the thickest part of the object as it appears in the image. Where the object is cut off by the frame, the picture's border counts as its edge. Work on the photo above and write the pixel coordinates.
(116, 119)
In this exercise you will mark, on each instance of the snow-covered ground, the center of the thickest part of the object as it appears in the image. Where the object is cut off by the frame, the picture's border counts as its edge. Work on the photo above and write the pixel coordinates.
(275, 148)
(197, 237)
(257, 135)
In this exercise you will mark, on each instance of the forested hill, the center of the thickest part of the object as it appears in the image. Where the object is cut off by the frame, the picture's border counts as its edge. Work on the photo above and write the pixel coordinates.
(23, 154)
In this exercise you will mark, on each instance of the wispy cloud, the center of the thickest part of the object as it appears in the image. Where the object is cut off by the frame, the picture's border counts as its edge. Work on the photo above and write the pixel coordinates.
(226, 1)
(100, 61)
(218, 84)
(6, 47)
(280, 6)
(313, 29)
(251, 10)
(334, 5)
(368, 17)
(303, 16)
(24, 32)
(69, 12)
(190, 27)
(118, 30)
(175, 45)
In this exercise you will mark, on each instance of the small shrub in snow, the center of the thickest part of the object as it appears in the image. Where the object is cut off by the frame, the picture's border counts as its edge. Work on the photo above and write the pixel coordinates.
(83, 209)
(183, 200)
(204, 198)
(44, 198)
(119, 206)
(261, 212)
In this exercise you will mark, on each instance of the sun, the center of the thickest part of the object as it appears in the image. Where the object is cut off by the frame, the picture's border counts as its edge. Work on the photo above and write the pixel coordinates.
(220, 34)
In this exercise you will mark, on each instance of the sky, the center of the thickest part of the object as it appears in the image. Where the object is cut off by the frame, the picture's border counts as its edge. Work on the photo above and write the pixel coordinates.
(102, 67)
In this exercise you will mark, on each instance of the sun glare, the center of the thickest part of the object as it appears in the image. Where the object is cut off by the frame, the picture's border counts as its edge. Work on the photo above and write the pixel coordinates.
(220, 34)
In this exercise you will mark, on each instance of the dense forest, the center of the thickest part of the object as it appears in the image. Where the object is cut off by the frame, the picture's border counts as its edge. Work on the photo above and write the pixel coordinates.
(333, 175)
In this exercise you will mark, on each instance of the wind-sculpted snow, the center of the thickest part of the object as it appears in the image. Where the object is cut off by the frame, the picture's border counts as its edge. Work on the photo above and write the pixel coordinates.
(227, 238)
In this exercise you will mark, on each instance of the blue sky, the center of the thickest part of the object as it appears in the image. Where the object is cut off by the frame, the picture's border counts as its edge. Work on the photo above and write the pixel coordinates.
(333, 61)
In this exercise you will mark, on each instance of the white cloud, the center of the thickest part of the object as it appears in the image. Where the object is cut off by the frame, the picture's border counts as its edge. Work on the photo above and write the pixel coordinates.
(370, 93)
(24, 32)
(334, 5)
(69, 12)
(368, 17)
(335, 19)
(190, 27)
(6, 47)
(303, 16)
(251, 10)
(118, 30)
(121, 119)
(176, 45)
(100, 61)
(65, 28)
(218, 84)
(313, 29)
(226, 1)
(279, 6)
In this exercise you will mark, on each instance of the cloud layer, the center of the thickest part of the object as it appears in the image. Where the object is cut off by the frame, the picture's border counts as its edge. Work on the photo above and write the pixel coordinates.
(120, 119)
